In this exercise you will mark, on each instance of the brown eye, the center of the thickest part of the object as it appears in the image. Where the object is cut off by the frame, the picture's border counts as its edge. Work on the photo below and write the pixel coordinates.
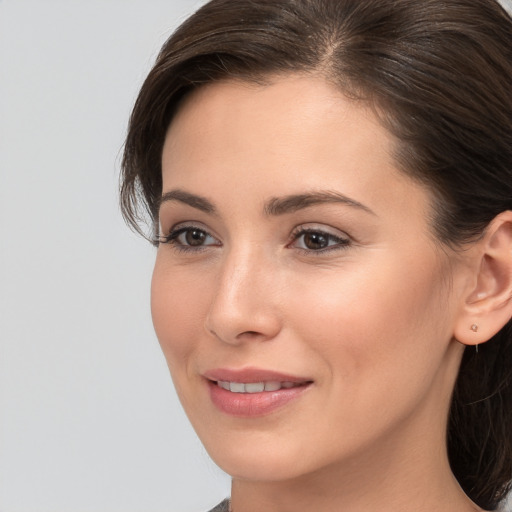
(315, 241)
(194, 237)
(190, 238)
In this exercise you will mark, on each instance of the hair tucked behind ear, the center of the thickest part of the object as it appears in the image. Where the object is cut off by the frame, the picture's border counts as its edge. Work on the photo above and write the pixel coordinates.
(479, 432)
(439, 74)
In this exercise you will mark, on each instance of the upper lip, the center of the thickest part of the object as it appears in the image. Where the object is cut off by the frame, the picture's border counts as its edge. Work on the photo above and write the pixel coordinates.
(249, 375)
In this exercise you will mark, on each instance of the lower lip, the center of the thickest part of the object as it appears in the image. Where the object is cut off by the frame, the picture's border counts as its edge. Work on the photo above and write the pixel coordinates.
(249, 405)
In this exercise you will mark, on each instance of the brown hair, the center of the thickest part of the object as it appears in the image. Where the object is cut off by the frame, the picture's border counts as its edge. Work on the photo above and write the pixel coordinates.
(439, 75)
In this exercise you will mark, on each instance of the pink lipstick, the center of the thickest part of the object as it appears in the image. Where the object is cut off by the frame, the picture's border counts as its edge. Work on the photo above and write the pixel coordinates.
(253, 392)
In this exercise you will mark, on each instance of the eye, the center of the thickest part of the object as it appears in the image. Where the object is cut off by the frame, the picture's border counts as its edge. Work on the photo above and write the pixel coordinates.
(317, 240)
(189, 238)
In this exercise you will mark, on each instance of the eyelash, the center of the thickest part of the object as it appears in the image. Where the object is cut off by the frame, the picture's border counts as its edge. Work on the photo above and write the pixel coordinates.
(339, 242)
(172, 239)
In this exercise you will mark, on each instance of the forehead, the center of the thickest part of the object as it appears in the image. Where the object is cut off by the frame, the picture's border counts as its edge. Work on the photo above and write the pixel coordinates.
(284, 118)
(291, 134)
(294, 97)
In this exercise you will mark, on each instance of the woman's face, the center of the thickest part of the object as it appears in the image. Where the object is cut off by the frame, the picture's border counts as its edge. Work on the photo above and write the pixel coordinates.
(301, 273)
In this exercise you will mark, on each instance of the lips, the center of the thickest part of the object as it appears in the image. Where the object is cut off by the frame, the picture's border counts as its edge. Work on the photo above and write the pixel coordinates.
(253, 392)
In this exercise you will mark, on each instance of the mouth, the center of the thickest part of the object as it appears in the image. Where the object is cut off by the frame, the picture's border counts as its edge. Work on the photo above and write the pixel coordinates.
(252, 392)
(258, 387)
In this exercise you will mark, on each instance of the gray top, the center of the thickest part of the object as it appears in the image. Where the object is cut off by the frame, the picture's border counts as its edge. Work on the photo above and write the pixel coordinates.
(221, 507)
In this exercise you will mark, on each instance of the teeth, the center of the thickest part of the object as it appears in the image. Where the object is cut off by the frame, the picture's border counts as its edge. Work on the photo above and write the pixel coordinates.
(255, 387)
(224, 385)
(272, 386)
(237, 387)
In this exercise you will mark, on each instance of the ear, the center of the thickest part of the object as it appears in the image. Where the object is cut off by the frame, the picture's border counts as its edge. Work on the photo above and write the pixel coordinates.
(487, 305)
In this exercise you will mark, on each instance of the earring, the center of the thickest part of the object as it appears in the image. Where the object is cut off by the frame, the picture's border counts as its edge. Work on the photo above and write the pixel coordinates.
(474, 328)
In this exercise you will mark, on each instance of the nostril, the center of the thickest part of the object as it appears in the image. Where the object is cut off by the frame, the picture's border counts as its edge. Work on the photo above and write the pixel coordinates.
(250, 335)
(237, 323)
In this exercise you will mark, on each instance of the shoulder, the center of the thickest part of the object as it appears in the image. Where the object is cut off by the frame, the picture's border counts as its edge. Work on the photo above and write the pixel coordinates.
(221, 507)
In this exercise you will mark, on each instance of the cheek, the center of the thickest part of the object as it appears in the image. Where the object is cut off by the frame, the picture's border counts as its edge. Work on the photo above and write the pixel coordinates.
(179, 304)
(373, 327)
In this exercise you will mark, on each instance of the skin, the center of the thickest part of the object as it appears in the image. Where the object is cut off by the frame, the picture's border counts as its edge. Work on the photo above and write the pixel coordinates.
(370, 320)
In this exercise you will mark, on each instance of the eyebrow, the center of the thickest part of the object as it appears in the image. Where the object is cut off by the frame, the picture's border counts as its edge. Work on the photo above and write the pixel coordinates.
(292, 203)
(198, 202)
(274, 207)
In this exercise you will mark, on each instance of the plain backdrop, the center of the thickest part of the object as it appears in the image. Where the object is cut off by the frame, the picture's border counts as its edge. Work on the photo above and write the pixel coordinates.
(89, 420)
(88, 417)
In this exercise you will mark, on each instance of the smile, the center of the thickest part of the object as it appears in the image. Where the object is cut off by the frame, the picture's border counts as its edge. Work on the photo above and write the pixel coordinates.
(257, 387)
(254, 392)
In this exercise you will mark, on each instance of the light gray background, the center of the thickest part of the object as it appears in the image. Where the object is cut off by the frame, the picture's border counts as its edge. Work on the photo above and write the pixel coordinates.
(88, 417)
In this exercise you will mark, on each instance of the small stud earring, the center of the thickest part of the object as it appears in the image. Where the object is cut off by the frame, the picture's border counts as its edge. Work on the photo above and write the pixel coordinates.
(474, 328)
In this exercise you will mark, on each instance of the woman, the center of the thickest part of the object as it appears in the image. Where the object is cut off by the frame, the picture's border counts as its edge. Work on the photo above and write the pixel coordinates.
(330, 189)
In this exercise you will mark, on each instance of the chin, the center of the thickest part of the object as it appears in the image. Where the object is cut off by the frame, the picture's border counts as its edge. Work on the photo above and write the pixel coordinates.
(258, 469)
(260, 459)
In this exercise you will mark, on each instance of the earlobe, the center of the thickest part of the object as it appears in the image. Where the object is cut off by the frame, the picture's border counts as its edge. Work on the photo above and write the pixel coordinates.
(488, 305)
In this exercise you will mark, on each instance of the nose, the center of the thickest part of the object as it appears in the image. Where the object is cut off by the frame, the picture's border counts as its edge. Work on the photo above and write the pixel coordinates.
(245, 305)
